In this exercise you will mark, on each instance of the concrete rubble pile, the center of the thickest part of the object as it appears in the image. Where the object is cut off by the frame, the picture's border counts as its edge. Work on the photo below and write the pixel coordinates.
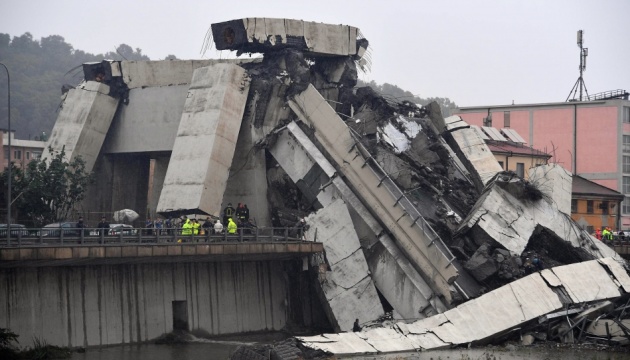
(414, 212)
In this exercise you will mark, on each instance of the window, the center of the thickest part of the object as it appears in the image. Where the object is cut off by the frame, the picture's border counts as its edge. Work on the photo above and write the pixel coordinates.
(626, 185)
(590, 229)
(17, 154)
(501, 164)
(625, 206)
(626, 114)
(574, 203)
(626, 164)
(626, 143)
(37, 155)
(520, 170)
(506, 119)
(604, 206)
(28, 155)
(6, 153)
(589, 206)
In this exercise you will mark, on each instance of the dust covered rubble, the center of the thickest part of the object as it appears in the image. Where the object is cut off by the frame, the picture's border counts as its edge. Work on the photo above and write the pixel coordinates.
(507, 221)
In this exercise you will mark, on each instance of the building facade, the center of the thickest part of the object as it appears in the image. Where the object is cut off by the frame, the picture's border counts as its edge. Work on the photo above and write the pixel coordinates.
(594, 206)
(22, 151)
(588, 138)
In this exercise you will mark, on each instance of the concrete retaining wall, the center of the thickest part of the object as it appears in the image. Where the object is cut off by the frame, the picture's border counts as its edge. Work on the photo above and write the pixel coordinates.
(102, 305)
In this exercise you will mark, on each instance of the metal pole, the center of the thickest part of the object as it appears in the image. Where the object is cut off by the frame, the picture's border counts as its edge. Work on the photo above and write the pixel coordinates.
(9, 160)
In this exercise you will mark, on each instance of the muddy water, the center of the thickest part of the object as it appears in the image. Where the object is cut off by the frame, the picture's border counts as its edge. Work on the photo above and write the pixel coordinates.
(209, 350)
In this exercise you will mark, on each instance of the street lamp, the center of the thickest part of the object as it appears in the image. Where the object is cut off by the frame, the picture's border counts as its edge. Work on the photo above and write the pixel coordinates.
(9, 160)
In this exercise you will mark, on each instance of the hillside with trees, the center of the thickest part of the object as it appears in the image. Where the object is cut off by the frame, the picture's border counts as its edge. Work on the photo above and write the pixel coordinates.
(39, 69)
(396, 93)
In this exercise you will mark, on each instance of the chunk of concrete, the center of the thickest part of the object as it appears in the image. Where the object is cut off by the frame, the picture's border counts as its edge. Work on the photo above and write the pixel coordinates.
(202, 154)
(395, 277)
(414, 235)
(493, 314)
(471, 150)
(348, 290)
(481, 265)
(263, 34)
(505, 217)
(555, 182)
(83, 122)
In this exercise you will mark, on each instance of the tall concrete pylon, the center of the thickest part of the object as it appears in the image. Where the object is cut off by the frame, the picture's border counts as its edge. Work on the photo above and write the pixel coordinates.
(198, 171)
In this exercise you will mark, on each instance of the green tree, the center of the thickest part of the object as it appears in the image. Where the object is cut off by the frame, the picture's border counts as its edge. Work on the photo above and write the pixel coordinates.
(46, 192)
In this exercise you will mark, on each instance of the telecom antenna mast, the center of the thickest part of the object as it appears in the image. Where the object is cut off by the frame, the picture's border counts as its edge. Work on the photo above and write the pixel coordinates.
(580, 81)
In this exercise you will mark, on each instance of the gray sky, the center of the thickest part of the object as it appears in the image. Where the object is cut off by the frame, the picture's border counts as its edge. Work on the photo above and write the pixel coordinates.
(474, 52)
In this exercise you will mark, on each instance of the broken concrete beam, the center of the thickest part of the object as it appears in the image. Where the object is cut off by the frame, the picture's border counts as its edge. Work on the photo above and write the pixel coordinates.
(471, 150)
(202, 154)
(419, 242)
(398, 281)
(263, 34)
(555, 182)
(142, 74)
(504, 216)
(493, 314)
(83, 122)
(348, 290)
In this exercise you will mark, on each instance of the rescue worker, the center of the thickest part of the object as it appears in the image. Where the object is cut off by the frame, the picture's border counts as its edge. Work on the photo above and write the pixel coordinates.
(356, 327)
(242, 214)
(231, 227)
(228, 212)
(187, 227)
(606, 234)
(598, 234)
(218, 227)
(195, 226)
(207, 225)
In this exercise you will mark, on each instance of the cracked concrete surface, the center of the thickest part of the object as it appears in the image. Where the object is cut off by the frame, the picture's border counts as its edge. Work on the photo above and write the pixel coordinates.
(513, 305)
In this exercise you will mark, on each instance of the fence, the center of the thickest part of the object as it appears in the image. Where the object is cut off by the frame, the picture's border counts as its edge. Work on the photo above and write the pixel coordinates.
(25, 237)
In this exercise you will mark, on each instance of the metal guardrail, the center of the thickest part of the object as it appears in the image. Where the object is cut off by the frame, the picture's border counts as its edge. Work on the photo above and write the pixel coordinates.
(401, 200)
(143, 236)
(610, 94)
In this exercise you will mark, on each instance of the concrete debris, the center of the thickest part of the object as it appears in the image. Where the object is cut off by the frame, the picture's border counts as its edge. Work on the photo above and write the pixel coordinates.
(512, 214)
(347, 289)
(479, 321)
(211, 120)
(265, 34)
(384, 184)
(555, 182)
(472, 150)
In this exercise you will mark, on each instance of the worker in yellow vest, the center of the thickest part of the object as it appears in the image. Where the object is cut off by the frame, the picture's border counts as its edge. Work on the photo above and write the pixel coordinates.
(231, 227)
(195, 226)
(187, 227)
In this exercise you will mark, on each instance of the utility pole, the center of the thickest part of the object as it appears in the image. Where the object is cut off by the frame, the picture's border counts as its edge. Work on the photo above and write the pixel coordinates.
(9, 159)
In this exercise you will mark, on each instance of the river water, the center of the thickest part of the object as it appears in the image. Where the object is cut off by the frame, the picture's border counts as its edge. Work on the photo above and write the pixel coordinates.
(220, 350)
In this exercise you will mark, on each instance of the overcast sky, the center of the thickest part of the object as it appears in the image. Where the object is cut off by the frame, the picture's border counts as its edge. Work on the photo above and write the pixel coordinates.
(474, 52)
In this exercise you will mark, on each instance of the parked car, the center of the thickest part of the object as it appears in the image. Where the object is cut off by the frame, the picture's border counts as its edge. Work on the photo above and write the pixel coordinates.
(16, 230)
(115, 229)
(69, 229)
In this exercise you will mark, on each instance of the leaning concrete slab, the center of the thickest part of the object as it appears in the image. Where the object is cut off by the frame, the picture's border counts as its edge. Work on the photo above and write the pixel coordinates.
(198, 170)
(416, 238)
(395, 277)
(505, 216)
(85, 117)
(555, 182)
(347, 288)
(479, 320)
(471, 149)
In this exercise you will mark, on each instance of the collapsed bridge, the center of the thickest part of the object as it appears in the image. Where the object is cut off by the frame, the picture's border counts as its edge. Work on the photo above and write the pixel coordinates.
(411, 208)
